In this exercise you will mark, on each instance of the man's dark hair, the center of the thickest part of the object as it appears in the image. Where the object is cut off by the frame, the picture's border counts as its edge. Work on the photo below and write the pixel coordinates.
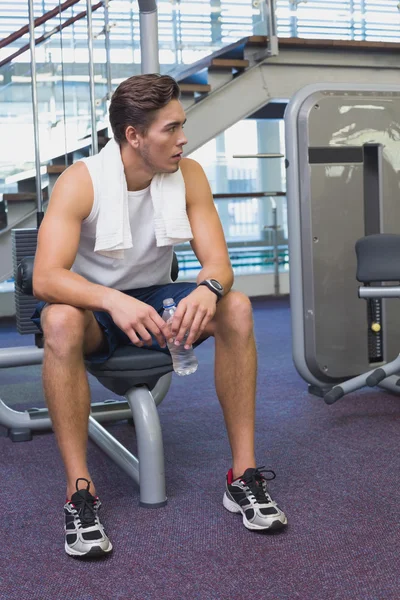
(136, 101)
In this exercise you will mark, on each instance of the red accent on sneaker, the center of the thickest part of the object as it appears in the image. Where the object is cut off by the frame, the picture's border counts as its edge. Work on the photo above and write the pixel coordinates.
(229, 476)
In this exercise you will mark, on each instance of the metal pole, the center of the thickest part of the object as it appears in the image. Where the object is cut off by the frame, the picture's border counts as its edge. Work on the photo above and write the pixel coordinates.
(149, 36)
(276, 253)
(273, 49)
(274, 228)
(95, 147)
(39, 194)
(175, 9)
(108, 49)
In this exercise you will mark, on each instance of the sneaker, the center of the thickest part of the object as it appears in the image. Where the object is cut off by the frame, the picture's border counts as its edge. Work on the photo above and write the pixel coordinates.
(248, 495)
(84, 534)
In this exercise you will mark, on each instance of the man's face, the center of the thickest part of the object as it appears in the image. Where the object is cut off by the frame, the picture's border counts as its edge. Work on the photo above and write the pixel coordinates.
(162, 146)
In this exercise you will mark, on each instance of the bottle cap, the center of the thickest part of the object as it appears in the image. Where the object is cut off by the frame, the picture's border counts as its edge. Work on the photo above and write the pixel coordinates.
(168, 303)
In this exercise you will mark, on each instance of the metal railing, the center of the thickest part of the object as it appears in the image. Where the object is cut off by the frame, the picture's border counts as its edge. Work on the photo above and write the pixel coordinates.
(261, 245)
(149, 63)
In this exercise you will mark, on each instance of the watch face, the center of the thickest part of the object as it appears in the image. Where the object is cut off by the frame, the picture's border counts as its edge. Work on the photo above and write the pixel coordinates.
(216, 284)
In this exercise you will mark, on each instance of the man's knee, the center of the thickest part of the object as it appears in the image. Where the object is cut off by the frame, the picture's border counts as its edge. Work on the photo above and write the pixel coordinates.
(63, 327)
(235, 313)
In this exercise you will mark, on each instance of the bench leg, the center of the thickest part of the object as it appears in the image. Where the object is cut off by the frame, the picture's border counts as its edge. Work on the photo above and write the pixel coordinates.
(150, 447)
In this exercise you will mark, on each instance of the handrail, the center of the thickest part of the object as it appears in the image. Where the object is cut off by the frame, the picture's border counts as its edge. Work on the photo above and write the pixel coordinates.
(248, 195)
(47, 35)
(328, 43)
(39, 21)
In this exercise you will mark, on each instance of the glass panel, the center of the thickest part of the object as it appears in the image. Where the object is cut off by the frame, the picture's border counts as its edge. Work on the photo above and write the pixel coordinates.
(63, 95)
(375, 20)
(247, 211)
(188, 30)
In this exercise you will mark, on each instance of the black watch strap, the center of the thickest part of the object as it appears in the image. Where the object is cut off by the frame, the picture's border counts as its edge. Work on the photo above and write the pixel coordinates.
(214, 286)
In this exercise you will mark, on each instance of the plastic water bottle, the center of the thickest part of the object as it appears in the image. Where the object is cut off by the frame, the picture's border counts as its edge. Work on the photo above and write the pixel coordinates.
(184, 361)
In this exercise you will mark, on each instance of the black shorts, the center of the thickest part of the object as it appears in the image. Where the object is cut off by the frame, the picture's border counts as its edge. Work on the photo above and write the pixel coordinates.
(114, 336)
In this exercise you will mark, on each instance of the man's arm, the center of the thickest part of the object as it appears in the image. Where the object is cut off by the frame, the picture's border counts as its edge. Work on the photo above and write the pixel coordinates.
(196, 310)
(58, 241)
(208, 242)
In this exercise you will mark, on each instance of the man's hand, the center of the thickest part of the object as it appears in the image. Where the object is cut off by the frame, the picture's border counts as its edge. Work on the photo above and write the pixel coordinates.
(193, 314)
(138, 320)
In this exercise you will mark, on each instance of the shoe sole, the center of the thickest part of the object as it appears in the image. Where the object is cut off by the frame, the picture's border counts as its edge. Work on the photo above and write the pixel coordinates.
(274, 525)
(94, 552)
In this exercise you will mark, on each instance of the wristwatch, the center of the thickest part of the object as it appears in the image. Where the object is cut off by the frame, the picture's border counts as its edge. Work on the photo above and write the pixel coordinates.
(214, 286)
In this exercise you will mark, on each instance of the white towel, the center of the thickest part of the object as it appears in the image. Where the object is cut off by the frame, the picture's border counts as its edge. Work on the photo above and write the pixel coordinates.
(168, 194)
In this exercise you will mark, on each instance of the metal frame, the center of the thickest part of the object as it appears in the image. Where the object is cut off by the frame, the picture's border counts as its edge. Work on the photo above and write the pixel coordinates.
(149, 36)
(294, 199)
(35, 113)
(95, 143)
(146, 469)
(385, 375)
(272, 32)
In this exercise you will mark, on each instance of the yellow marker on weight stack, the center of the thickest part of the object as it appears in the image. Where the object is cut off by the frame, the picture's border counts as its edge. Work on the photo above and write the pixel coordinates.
(376, 327)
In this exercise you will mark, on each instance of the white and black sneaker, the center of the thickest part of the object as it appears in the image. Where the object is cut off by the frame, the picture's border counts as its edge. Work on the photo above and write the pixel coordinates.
(84, 534)
(249, 496)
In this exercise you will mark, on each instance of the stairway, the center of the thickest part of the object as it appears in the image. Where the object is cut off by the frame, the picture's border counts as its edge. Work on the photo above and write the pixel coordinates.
(215, 93)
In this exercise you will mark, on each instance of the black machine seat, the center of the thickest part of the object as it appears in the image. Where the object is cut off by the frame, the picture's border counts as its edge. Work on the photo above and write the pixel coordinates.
(130, 366)
(378, 258)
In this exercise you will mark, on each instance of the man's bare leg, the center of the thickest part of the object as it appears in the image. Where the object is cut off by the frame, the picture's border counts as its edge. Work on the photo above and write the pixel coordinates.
(69, 333)
(235, 378)
(235, 375)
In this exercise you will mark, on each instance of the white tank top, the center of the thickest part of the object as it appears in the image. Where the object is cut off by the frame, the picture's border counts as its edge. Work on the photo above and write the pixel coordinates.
(143, 265)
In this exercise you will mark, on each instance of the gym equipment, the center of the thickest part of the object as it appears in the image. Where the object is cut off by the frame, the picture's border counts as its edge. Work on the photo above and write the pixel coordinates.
(342, 185)
(378, 263)
(142, 376)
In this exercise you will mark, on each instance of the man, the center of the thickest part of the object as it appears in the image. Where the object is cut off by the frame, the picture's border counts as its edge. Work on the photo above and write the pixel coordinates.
(92, 303)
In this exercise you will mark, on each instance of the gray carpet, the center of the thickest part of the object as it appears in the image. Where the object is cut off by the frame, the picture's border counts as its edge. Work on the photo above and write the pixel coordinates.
(337, 480)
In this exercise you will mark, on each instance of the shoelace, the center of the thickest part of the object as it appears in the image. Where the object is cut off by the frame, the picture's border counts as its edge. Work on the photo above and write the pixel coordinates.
(85, 507)
(257, 484)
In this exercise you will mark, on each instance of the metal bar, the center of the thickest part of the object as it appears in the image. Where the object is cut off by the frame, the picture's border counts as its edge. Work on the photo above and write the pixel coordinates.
(335, 155)
(373, 191)
(39, 419)
(379, 292)
(391, 383)
(95, 146)
(276, 253)
(360, 381)
(35, 113)
(114, 449)
(275, 247)
(273, 47)
(270, 155)
(175, 9)
(20, 356)
(161, 388)
(48, 34)
(16, 419)
(108, 49)
(63, 96)
(149, 36)
(39, 21)
(150, 447)
(248, 195)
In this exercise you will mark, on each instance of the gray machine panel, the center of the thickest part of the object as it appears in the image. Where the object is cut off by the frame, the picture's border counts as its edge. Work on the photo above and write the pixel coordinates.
(336, 340)
(331, 204)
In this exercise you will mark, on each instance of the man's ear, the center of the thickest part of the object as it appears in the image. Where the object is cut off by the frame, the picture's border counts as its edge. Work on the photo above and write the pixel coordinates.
(132, 136)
